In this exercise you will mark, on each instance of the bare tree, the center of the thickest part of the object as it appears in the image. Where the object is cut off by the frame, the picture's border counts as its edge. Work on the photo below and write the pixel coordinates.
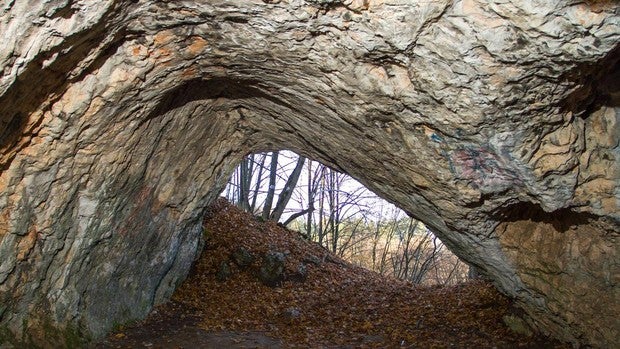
(286, 193)
(245, 179)
(337, 215)
(271, 189)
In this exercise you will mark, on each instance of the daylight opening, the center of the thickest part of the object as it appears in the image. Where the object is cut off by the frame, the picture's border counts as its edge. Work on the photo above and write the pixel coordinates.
(340, 214)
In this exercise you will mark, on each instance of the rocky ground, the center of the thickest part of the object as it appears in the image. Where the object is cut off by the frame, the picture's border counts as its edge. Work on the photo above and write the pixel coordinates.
(259, 285)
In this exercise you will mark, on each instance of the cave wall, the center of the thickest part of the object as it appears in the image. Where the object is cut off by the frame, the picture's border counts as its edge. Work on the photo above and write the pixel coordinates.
(494, 122)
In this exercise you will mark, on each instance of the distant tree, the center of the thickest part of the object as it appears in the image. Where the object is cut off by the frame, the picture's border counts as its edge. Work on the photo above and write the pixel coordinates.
(252, 171)
(271, 189)
(249, 174)
(334, 210)
(285, 194)
(259, 181)
(416, 257)
(245, 178)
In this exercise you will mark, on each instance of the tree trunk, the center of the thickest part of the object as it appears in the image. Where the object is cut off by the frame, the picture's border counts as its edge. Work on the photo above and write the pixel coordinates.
(259, 181)
(311, 193)
(245, 180)
(273, 173)
(286, 193)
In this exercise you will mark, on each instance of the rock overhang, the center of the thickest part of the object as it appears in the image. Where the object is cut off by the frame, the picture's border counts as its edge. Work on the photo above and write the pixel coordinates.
(488, 122)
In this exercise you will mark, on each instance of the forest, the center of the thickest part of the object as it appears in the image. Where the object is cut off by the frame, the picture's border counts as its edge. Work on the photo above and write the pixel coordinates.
(339, 213)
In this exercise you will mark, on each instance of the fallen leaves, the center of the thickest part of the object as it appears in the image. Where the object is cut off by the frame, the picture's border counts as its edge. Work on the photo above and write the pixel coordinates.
(338, 304)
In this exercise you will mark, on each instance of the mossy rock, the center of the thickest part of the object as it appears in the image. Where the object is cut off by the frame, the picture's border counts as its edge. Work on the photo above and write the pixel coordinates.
(242, 257)
(224, 272)
(69, 337)
(271, 272)
(517, 325)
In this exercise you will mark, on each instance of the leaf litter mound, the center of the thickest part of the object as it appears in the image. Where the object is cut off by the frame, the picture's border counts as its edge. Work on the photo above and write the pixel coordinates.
(321, 301)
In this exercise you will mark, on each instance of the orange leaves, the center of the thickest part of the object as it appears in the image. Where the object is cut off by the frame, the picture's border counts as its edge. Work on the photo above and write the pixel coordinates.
(367, 326)
(338, 303)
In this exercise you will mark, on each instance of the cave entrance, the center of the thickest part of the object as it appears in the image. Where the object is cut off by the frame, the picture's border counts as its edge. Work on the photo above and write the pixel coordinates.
(335, 211)
(277, 289)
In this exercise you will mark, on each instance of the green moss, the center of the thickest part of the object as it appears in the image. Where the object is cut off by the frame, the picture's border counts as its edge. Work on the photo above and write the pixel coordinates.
(206, 234)
(72, 336)
(75, 337)
(46, 335)
(517, 325)
(6, 336)
(121, 326)
(117, 327)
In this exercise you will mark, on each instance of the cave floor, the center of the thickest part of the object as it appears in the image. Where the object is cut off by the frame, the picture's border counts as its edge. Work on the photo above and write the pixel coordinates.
(176, 326)
(334, 305)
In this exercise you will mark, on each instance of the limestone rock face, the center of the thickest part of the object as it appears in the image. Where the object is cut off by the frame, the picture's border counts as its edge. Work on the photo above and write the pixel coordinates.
(494, 122)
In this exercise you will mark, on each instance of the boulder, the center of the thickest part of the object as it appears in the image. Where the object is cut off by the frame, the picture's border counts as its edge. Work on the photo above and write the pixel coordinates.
(242, 257)
(272, 269)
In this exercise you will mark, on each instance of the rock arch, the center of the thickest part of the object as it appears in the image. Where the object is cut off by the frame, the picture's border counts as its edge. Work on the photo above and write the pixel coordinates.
(495, 124)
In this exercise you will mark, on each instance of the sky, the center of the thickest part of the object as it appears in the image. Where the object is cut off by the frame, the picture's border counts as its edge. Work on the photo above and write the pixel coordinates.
(373, 205)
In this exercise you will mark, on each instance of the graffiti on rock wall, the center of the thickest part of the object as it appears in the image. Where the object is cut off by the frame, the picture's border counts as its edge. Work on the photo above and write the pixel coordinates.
(482, 168)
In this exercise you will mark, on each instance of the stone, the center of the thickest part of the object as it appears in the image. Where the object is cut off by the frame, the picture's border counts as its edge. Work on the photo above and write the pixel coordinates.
(271, 271)
(224, 272)
(242, 257)
(494, 123)
(291, 314)
(311, 259)
(517, 325)
(301, 274)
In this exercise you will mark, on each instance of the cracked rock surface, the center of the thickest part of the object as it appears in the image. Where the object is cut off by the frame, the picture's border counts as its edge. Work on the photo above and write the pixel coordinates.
(494, 122)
